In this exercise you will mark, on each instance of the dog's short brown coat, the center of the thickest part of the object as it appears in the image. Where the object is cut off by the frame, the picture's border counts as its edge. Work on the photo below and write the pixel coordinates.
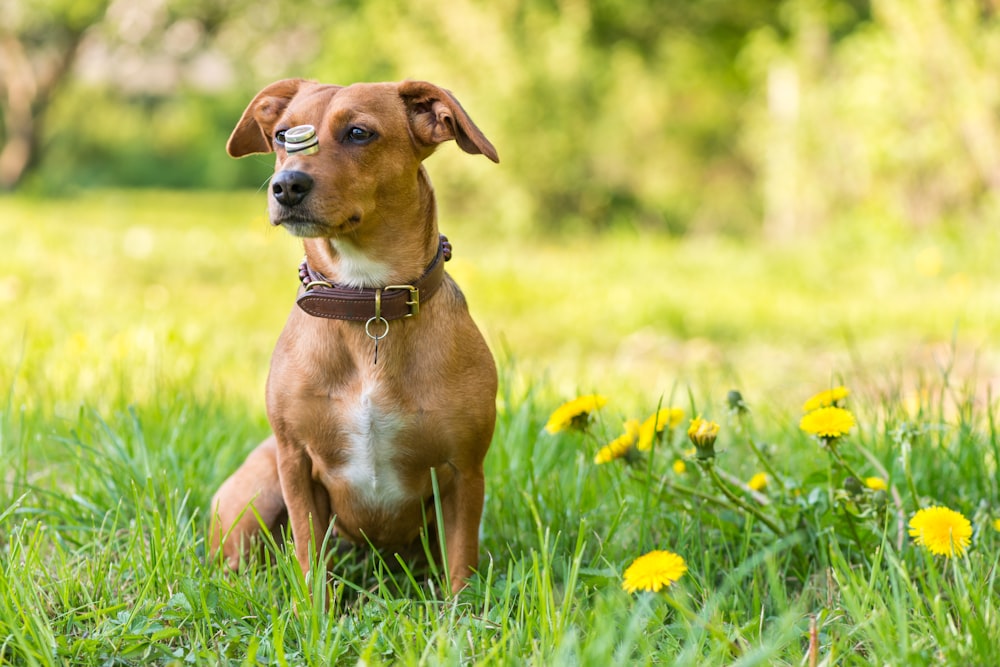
(355, 441)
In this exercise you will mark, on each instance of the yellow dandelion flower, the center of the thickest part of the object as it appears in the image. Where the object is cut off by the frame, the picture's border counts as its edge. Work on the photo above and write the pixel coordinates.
(655, 570)
(680, 467)
(829, 422)
(655, 424)
(996, 525)
(574, 414)
(825, 399)
(618, 447)
(876, 483)
(941, 531)
(758, 481)
(702, 432)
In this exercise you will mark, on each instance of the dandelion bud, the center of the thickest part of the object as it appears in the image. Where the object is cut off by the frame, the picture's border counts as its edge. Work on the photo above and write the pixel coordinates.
(853, 486)
(734, 400)
(880, 499)
(702, 434)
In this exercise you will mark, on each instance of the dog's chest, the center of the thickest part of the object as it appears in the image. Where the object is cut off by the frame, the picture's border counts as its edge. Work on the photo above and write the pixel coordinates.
(369, 454)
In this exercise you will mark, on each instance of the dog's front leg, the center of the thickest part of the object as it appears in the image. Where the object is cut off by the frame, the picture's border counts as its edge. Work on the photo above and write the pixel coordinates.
(308, 518)
(462, 511)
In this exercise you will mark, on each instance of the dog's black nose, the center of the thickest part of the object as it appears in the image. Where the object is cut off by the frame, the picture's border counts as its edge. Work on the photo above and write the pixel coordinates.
(290, 187)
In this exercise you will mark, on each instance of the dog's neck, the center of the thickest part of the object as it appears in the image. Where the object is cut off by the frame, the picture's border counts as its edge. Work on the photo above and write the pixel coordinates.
(393, 246)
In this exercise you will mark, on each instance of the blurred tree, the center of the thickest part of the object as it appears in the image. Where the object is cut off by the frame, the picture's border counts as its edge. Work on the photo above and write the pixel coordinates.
(138, 52)
(703, 115)
(605, 112)
(891, 120)
(39, 42)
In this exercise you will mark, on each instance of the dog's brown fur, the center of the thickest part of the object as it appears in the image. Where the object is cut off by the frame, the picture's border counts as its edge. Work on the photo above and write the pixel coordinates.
(354, 442)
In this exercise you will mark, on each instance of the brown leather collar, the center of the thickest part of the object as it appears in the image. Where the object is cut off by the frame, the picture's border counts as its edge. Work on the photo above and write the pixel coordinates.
(322, 298)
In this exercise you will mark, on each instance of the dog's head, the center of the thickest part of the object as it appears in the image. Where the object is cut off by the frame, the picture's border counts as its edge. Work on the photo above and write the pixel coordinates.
(372, 138)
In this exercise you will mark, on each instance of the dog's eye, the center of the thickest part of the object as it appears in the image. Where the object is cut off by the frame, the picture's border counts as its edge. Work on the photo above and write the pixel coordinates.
(360, 135)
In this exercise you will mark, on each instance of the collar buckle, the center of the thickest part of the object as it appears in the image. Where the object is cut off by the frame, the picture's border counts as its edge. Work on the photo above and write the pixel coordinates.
(413, 303)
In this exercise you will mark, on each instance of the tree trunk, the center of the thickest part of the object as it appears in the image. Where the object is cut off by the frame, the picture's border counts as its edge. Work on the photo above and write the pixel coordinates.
(26, 92)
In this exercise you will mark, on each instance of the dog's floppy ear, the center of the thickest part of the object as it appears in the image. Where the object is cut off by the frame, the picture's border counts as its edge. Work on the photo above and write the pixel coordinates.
(436, 116)
(253, 133)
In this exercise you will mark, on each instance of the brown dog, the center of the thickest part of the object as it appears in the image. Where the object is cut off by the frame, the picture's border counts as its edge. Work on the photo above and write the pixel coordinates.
(380, 375)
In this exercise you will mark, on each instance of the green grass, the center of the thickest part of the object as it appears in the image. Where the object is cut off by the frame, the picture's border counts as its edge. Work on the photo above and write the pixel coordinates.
(137, 328)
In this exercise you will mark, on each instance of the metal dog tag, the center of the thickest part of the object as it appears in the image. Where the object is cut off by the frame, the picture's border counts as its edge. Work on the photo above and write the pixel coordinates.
(301, 139)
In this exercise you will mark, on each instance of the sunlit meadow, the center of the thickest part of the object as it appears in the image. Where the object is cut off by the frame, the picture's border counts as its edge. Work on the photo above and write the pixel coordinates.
(709, 450)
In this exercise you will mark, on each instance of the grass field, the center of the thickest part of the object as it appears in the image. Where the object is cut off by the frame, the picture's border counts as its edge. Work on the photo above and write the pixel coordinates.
(134, 347)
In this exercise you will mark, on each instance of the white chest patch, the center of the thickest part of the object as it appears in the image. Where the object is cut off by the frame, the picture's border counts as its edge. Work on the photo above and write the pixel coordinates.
(359, 270)
(370, 470)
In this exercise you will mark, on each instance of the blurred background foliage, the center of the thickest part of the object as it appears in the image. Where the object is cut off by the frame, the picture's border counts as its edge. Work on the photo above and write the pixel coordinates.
(700, 116)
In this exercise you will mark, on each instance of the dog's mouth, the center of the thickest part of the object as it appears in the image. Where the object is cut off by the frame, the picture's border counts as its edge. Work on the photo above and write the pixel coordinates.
(309, 227)
(301, 226)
